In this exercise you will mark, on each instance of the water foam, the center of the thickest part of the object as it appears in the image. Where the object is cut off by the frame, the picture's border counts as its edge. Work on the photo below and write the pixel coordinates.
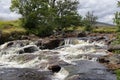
(73, 50)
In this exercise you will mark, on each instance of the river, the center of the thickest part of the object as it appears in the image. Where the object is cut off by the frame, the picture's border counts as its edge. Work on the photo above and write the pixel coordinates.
(23, 60)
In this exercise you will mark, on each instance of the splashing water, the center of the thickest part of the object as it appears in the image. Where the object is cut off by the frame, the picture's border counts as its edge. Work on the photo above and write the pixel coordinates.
(74, 50)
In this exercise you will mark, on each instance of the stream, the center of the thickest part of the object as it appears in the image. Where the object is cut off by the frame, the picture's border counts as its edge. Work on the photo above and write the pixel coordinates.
(24, 60)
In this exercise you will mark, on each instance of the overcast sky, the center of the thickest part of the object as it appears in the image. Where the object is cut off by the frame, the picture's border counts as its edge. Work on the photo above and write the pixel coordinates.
(104, 9)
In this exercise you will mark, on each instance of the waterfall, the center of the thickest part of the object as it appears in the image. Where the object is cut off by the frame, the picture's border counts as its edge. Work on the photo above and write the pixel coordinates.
(71, 41)
(67, 42)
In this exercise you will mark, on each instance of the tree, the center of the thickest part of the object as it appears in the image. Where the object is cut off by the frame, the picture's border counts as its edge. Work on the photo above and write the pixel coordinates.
(67, 13)
(117, 18)
(89, 21)
(40, 16)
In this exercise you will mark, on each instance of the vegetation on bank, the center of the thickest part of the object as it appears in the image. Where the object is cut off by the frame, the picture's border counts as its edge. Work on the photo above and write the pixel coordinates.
(42, 17)
(11, 30)
(9, 27)
(118, 74)
(105, 29)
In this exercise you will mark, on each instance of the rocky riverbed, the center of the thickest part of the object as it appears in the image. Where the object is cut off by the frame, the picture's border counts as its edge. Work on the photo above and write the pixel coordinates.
(69, 59)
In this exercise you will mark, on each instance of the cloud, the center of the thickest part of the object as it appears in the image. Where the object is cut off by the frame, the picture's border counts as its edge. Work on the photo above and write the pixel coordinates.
(104, 9)
(5, 12)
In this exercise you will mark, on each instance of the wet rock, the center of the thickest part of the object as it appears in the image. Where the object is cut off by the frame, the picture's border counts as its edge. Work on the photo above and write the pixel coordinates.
(24, 74)
(74, 77)
(88, 70)
(25, 37)
(10, 44)
(54, 68)
(93, 76)
(48, 43)
(30, 49)
(103, 60)
(100, 38)
(20, 51)
(113, 66)
(82, 34)
(112, 61)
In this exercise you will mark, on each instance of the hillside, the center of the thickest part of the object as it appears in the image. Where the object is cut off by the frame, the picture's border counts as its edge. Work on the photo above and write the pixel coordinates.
(104, 24)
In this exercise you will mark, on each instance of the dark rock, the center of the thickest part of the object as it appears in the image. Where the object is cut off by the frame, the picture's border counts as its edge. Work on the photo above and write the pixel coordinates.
(82, 34)
(20, 51)
(24, 74)
(54, 68)
(30, 49)
(100, 38)
(103, 60)
(10, 44)
(48, 43)
(25, 37)
(111, 61)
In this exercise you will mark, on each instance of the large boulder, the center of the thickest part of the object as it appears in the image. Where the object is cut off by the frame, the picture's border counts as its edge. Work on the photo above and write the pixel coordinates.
(54, 68)
(48, 43)
(111, 61)
(82, 34)
(24, 74)
(28, 49)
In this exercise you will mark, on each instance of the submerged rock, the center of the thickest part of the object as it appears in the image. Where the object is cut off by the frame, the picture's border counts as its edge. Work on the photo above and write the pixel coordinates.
(82, 34)
(10, 44)
(24, 74)
(54, 68)
(74, 77)
(88, 70)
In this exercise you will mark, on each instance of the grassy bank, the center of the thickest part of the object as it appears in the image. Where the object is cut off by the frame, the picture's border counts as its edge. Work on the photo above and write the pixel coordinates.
(100, 29)
(118, 74)
(8, 27)
(105, 29)
(14, 30)
(10, 30)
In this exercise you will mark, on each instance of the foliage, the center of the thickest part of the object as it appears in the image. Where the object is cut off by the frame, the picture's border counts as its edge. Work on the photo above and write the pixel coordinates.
(8, 27)
(118, 74)
(41, 15)
(10, 30)
(105, 29)
(117, 18)
(116, 42)
(89, 21)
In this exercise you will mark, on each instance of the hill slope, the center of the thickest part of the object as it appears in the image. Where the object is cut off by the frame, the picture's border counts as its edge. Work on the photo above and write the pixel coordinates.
(104, 24)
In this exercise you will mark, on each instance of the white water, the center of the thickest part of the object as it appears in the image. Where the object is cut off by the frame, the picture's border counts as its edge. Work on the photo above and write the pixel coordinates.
(73, 50)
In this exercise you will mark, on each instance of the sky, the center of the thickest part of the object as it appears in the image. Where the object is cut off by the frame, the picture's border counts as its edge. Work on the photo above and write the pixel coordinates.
(103, 9)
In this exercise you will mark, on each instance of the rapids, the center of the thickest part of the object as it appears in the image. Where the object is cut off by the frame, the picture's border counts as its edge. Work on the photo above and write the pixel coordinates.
(23, 60)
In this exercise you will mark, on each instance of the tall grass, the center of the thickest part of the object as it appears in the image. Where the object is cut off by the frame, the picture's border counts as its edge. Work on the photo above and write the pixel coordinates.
(118, 74)
(8, 27)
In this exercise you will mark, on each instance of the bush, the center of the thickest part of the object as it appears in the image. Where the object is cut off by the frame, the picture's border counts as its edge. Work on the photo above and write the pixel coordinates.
(42, 31)
(116, 42)
(118, 74)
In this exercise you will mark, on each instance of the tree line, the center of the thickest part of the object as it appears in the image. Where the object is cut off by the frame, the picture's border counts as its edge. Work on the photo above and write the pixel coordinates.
(41, 17)
(117, 18)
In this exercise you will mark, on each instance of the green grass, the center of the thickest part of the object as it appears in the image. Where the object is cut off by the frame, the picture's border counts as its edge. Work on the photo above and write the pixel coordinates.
(118, 74)
(106, 29)
(116, 42)
(8, 27)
